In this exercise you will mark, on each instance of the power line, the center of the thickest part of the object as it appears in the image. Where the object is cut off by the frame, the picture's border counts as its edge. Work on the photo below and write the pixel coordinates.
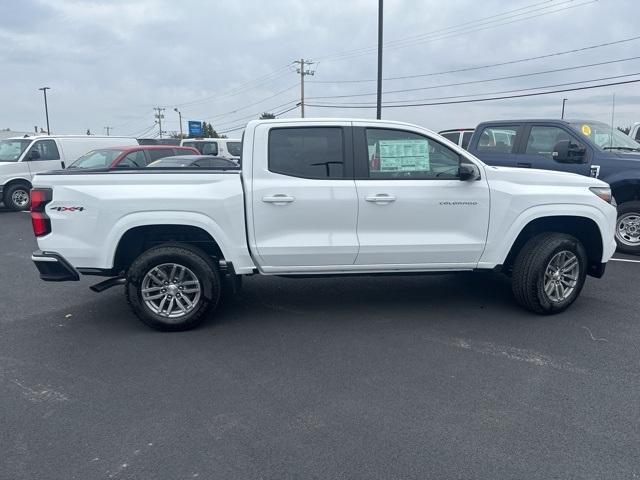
(533, 94)
(253, 115)
(474, 82)
(390, 42)
(243, 87)
(480, 67)
(429, 37)
(389, 102)
(252, 104)
(243, 125)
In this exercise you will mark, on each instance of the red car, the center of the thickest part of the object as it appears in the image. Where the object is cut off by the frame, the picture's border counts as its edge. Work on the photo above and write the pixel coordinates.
(129, 157)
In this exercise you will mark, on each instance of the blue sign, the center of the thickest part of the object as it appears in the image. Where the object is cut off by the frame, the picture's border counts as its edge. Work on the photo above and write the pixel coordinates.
(195, 128)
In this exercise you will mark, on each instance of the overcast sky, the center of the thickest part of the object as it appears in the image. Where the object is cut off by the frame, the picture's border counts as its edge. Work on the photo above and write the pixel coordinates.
(109, 63)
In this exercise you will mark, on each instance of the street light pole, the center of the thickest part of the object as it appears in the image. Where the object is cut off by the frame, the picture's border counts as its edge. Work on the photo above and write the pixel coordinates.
(46, 108)
(180, 117)
(379, 100)
(563, 102)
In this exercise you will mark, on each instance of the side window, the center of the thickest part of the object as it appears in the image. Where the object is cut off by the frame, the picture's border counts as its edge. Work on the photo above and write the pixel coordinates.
(542, 139)
(466, 138)
(453, 136)
(395, 154)
(203, 163)
(310, 152)
(157, 154)
(134, 160)
(182, 151)
(638, 135)
(209, 148)
(498, 139)
(47, 150)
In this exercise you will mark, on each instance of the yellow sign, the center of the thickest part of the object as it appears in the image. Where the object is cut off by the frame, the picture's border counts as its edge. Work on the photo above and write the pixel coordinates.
(586, 130)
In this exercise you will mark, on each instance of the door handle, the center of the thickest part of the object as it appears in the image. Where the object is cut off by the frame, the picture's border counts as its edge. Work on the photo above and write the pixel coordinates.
(278, 199)
(381, 198)
(523, 164)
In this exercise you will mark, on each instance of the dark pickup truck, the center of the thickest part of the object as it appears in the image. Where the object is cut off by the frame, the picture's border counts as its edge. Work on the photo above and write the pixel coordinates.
(583, 147)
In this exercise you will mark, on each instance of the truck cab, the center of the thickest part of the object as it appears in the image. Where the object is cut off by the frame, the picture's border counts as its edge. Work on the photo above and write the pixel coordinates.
(577, 146)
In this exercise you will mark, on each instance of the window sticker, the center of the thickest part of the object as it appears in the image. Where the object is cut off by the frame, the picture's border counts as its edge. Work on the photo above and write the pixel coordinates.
(403, 155)
(586, 130)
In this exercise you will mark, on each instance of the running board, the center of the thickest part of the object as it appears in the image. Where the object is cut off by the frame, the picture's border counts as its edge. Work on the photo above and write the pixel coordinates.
(111, 282)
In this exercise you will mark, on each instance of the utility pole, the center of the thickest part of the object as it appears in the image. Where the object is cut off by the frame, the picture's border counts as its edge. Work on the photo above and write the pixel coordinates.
(379, 99)
(159, 116)
(564, 100)
(46, 109)
(108, 129)
(180, 117)
(303, 71)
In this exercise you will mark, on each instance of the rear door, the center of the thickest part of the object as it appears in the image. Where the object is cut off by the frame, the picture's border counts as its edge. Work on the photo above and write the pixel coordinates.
(497, 144)
(304, 203)
(414, 211)
(538, 145)
(43, 156)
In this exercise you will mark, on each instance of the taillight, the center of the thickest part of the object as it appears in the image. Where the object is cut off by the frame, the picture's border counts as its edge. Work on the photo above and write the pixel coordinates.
(39, 219)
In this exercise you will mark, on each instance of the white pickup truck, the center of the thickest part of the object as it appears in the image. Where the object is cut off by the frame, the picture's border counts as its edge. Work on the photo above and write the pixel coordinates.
(321, 197)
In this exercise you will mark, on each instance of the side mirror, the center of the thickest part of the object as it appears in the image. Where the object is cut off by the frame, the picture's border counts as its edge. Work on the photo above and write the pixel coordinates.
(34, 155)
(468, 171)
(566, 152)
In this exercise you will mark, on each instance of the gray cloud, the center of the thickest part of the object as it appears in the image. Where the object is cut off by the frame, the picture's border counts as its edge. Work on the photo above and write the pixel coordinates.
(111, 62)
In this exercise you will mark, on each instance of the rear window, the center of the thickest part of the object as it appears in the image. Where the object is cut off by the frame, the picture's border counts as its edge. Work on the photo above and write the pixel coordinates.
(497, 139)
(183, 151)
(156, 154)
(311, 152)
(453, 136)
(234, 148)
(466, 138)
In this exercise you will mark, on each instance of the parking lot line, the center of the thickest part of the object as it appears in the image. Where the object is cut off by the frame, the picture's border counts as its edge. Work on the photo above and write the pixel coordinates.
(625, 260)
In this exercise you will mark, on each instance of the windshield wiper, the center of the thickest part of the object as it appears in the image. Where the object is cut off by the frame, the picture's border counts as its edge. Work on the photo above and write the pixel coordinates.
(626, 149)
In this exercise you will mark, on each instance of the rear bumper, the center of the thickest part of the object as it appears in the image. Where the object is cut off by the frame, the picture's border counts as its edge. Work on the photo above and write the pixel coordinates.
(53, 267)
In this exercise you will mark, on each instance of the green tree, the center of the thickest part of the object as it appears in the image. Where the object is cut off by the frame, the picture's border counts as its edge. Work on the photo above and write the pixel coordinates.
(267, 116)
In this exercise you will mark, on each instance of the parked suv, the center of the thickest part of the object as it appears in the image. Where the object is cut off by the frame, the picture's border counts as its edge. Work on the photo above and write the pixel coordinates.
(579, 146)
(22, 157)
(129, 157)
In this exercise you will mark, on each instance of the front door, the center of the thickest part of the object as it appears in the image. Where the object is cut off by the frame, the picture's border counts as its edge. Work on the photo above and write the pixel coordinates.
(43, 156)
(304, 199)
(538, 147)
(414, 211)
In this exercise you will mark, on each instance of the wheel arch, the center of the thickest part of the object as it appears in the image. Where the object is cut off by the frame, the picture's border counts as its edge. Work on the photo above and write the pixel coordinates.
(585, 229)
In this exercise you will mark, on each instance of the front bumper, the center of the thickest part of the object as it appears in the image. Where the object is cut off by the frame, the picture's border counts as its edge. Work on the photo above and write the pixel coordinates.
(54, 268)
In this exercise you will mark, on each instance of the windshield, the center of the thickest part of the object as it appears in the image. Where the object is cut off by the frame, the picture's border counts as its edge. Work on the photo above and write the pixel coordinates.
(235, 148)
(97, 159)
(606, 137)
(10, 150)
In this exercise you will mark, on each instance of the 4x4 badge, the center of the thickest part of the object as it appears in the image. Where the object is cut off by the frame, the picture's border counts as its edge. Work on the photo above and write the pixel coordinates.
(68, 209)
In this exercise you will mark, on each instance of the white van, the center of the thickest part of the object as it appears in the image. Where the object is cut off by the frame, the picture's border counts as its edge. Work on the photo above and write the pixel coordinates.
(218, 147)
(22, 157)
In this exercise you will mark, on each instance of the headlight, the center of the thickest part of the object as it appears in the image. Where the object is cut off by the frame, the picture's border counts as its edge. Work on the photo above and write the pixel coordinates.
(604, 193)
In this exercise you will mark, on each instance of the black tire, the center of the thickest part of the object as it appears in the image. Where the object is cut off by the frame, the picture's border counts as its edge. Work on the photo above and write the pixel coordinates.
(628, 233)
(10, 196)
(197, 262)
(528, 280)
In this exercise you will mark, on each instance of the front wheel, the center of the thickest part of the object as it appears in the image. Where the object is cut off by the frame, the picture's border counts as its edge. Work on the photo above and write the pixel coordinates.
(17, 197)
(549, 273)
(173, 287)
(628, 228)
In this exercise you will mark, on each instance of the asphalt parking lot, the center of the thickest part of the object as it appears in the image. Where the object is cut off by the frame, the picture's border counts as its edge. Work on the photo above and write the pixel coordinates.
(374, 378)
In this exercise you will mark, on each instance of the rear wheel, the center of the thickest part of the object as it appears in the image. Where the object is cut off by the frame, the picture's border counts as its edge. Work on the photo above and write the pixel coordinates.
(17, 197)
(549, 273)
(628, 228)
(173, 287)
